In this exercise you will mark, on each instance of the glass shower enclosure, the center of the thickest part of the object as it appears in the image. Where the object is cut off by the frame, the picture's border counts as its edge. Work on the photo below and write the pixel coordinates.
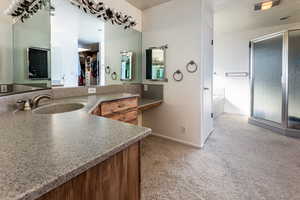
(275, 82)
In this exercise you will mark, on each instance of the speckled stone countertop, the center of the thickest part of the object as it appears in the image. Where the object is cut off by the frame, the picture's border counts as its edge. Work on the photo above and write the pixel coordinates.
(40, 152)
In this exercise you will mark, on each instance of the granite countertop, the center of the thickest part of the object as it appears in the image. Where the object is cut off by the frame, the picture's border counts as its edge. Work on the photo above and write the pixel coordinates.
(40, 152)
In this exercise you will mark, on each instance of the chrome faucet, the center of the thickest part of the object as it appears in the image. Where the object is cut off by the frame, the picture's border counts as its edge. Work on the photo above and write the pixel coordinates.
(30, 104)
(36, 100)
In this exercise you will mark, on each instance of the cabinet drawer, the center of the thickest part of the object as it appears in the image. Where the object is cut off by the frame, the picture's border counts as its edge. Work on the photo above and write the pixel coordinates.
(108, 108)
(129, 116)
(126, 116)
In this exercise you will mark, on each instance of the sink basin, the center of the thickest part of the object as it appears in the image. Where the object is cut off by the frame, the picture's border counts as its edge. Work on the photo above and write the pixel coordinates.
(58, 108)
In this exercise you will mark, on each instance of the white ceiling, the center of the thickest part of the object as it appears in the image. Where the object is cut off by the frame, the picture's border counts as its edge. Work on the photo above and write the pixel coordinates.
(239, 15)
(144, 4)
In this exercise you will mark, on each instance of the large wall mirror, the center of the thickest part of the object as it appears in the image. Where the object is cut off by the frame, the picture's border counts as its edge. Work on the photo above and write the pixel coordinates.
(62, 46)
(30, 68)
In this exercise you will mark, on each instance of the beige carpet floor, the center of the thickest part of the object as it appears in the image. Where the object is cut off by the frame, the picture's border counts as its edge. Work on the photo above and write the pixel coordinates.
(239, 162)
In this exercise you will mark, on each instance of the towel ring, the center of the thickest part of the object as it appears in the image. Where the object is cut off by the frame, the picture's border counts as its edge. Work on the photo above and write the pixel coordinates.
(191, 64)
(178, 76)
(107, 69)
(114, 76)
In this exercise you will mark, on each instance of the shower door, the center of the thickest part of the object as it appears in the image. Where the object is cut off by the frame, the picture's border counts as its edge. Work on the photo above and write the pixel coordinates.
(294, 80)
(266, 72)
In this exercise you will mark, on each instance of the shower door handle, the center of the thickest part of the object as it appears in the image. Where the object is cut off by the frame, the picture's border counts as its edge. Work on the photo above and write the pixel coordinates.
(206, 88)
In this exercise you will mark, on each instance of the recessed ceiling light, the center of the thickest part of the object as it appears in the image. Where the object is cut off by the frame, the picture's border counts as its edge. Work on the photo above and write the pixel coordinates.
(266, 5)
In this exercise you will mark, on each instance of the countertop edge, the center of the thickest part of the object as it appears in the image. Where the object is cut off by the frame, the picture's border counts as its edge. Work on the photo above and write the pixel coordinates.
(44, 189)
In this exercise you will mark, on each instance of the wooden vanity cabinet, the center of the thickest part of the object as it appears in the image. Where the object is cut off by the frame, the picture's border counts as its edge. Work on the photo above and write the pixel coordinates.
(125, 110)
(117, 178)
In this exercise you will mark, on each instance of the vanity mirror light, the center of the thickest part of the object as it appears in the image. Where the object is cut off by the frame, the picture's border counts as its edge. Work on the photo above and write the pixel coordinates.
(127, 63)
(156, 63)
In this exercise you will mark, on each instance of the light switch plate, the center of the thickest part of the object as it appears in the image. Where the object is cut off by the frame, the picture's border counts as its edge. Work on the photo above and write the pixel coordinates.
(145, 88)
(92, 90)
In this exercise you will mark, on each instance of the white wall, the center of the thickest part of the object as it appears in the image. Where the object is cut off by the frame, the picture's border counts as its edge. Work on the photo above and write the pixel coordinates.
(6, 68)
(232, 55)
(176, 23)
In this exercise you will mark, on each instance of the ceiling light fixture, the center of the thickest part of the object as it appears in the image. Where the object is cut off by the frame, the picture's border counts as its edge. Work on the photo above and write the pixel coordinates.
(83, 49)
(266, 5)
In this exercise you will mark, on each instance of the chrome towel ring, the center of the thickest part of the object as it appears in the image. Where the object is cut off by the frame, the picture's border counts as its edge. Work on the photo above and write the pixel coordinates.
(178, 76)
(192, 66)
(114, 76)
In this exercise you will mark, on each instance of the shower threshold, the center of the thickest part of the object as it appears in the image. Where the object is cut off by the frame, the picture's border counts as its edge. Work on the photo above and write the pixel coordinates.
(275, 127)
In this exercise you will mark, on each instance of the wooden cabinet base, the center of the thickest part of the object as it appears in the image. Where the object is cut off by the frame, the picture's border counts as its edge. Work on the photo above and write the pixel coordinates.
(117, 178)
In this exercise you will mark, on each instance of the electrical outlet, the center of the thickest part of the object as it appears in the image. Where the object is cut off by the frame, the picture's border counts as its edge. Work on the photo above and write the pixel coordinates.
(145, 88)
(92, 90)
(3, 88)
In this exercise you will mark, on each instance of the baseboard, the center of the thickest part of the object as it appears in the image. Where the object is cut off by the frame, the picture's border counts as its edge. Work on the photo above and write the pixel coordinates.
(177, 140)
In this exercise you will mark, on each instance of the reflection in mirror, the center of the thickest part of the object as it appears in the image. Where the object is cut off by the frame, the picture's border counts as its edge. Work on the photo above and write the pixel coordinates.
(119, 40)
(89, 58)
(127, 66)
(76, 47)
(31, 55)
(62, 46)
(155, 64)
(83, 47)
(38, 63)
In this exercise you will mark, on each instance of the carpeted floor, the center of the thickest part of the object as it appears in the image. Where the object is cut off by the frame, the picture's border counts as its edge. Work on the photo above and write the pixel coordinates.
(239, 162)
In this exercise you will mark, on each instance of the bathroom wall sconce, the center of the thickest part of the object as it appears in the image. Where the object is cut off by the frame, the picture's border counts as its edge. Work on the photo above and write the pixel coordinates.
(24, 9)
(192, 66)
(178, 76)
(101, 11)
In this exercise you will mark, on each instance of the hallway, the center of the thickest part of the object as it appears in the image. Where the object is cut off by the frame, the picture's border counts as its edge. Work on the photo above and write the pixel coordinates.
(239, 162)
